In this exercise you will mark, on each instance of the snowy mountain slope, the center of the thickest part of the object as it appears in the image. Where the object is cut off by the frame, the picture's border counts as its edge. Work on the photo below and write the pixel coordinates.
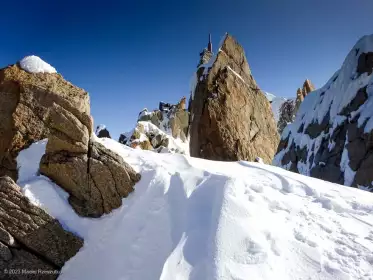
(196, 219)
(331, 134)
(276, 103)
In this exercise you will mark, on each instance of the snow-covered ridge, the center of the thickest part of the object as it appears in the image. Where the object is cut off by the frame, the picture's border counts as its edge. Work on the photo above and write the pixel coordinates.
(326, 105)
(196, 219)
(34, 64)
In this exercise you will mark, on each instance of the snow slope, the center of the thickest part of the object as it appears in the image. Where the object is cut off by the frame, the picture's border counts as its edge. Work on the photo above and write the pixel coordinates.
(329, 101)
(196, 219)
(34, 64)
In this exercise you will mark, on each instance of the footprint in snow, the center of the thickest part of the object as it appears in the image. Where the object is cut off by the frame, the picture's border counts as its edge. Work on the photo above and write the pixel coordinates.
(254, 253)
(257, 188)
(300, 236)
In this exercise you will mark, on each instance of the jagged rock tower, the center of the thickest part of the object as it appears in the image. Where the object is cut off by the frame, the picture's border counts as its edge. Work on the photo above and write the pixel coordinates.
(302, 93)
(231, 119)
(206, 54)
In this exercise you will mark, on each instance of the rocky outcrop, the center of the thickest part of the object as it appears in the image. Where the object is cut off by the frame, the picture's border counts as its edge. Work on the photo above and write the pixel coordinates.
(96, 178)
(159, 130)
(24, 110)
(37, 105)
(102, 132)
(30, 239)
(302, 93)
(289, 108)
(287, 114)
(231, 119)
(331, 137)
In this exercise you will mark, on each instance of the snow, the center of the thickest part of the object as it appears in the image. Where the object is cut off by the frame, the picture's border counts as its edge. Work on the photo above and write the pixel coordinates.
(276, 103)
(34, 64)
(143, 113)
(174, 144)
(190, 218)
(28, 161)
(99, 128)
(237, 75)
(333, 97)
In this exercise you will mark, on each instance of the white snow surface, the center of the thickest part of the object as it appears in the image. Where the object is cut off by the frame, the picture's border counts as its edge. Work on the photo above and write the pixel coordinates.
(34, 64)
(269, 96)
(276, 103)
(175, 144)
(332, 98)
(190, 218)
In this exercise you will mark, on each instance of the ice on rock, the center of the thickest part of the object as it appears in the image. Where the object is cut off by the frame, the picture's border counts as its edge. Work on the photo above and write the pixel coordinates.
(34, 64)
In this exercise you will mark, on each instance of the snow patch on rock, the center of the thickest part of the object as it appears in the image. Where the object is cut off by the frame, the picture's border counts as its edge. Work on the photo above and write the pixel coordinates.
(34, 64)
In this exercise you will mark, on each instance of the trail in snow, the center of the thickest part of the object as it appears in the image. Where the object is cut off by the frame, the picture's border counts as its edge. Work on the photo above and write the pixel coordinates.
(196, 219)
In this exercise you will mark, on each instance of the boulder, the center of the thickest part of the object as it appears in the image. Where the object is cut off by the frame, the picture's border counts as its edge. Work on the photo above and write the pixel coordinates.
(30, 239)
(96, 178)
(25, 104)
(35, 106)
(231, 119)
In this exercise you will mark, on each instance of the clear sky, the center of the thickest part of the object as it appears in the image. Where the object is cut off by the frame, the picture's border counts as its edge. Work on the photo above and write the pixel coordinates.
(132, 54)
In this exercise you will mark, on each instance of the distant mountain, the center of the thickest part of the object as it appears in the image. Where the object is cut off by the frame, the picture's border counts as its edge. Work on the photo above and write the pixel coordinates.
(276, 103)
(331, 137)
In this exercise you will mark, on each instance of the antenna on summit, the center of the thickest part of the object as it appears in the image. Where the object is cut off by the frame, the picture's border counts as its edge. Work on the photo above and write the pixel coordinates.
(209, 46)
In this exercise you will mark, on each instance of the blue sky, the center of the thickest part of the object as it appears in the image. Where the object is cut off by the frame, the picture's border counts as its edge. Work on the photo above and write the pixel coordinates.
(132, 54)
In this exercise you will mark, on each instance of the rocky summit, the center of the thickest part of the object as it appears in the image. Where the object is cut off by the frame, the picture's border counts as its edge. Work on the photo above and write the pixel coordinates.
(288, 109)
(26, 99)
(302, 93)
(162, 130)
(231, 119)
(331, 137)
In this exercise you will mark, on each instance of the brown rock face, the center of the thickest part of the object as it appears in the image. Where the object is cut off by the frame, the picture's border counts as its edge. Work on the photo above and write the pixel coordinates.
(30, 239)
(302, 93)
(37, 106)
(24, 110)
(230, 118)
(96, 178)
(179, 124)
